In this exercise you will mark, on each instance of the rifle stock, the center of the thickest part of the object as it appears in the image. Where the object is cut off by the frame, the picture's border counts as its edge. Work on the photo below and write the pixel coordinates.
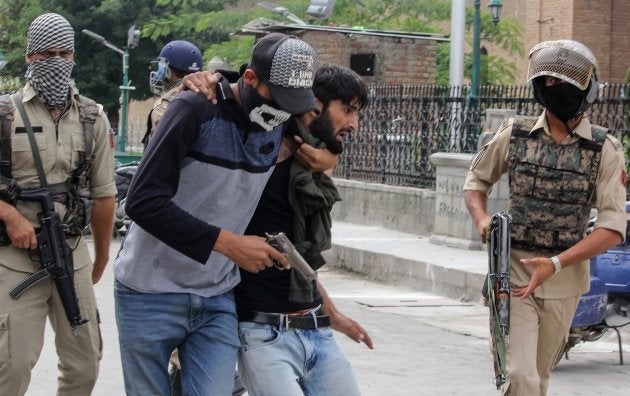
(55, 256)
(498, 287)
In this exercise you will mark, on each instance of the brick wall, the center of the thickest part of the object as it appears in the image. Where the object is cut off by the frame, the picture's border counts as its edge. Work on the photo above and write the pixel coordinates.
(397, 60)
(620, 40)
(599, 25)
(594, 29)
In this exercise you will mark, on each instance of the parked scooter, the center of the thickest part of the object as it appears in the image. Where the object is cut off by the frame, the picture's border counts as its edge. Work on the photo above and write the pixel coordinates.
(607, 305)
(124, 174)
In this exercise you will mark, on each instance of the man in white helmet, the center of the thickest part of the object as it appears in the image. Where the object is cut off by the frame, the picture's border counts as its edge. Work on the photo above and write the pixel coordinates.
(560, 166)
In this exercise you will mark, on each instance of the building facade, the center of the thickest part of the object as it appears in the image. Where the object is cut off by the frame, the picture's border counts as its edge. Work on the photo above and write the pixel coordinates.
(380, 57)
(600, 25)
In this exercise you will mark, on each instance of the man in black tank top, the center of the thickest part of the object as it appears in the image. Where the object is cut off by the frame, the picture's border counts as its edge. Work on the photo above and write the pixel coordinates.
(284, 322)
(286, 333)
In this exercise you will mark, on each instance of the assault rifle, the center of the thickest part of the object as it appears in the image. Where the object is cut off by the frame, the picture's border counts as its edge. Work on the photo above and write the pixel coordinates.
(283, 245)
(55, 256)
(498, 288)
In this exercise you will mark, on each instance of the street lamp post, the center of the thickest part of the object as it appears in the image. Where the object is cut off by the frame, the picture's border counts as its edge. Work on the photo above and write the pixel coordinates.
(495, 10)
(124, 88)
(473, 100)
(316, 9)
(282, 11)
(476, 49)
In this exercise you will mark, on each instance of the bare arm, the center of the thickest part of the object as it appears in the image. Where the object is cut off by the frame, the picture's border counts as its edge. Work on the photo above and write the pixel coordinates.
(102, 224)
(341, 322)
(476, 203)
(19, 229)
(597, 242)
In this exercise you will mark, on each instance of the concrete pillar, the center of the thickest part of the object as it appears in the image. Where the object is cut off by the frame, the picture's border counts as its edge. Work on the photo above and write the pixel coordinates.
(453, 225)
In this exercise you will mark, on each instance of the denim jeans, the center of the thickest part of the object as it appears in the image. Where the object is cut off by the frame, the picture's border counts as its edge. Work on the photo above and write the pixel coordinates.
(151, 326)
(292, 362)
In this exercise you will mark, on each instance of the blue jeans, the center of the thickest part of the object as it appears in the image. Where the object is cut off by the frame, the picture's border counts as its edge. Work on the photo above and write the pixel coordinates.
(291, 362)
(151, 326)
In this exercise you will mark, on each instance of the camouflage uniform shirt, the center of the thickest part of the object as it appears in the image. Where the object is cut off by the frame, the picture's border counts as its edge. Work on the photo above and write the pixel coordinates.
(492, 161)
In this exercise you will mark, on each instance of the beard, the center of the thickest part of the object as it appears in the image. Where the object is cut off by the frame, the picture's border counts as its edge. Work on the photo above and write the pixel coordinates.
(322, 128)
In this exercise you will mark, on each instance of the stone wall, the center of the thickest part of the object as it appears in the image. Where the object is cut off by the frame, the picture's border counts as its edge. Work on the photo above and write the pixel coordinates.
(453, 225)
(405, 209)
(440, 214)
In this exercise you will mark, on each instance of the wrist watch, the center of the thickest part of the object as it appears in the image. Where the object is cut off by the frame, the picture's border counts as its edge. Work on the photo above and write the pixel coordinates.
(556, 264)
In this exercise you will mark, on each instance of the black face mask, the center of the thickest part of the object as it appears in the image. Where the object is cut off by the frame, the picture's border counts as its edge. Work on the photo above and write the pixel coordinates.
(563, 100)
(261, 111)
(322, 128)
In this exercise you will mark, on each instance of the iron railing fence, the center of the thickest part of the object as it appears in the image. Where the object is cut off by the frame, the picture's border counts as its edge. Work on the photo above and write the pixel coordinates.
(404, 124)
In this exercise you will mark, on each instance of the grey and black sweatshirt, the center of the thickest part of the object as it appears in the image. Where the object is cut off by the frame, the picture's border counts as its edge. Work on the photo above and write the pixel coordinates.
(204, 171)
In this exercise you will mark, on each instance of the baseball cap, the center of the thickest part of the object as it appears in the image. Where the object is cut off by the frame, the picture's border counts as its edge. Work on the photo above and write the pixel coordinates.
(287, 66)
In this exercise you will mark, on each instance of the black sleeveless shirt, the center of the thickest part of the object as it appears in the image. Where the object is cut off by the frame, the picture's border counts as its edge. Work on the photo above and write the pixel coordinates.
(268, 290)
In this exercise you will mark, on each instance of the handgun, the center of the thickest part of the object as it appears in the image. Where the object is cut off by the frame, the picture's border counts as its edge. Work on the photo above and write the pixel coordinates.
(282, 244)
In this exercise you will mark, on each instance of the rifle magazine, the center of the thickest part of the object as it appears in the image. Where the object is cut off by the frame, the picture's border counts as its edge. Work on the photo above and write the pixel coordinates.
(27, 283)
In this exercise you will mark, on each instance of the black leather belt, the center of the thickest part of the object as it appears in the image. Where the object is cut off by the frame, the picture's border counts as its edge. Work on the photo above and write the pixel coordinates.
(287, 321)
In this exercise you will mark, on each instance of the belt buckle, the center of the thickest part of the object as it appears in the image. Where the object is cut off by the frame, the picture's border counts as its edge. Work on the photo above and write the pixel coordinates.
(287, 322)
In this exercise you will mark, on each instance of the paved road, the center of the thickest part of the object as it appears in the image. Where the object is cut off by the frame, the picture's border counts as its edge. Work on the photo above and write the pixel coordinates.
(424, 345)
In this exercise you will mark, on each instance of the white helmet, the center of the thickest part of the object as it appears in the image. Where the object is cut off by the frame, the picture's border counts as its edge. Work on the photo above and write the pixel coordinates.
(568, 60)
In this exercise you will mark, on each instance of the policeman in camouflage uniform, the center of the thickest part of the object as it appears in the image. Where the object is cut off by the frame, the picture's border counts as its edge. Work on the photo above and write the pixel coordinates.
(52, 106)
(177, 59)
(560, 166)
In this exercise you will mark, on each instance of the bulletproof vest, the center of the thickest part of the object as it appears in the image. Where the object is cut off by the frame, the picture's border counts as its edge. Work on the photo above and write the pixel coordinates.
(552, 187)
(74, 193)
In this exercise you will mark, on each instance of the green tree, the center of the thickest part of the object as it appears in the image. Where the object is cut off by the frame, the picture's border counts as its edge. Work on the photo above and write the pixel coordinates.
(411, 16)
(209, 24)
(211, 28)
(430, 16)
(416, 15)
(494, 69)
(98, 71)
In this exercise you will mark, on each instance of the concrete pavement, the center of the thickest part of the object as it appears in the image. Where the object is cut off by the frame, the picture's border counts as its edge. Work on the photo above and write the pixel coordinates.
(408, 259)
(412, 261)
(425, 343)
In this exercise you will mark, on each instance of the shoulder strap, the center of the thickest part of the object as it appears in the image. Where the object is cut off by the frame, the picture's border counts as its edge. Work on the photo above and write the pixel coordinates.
(599, 133)
(599, 136)
(17, 99)
(522, 125)
(6, 117)
(88, 112)
(145, 138)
